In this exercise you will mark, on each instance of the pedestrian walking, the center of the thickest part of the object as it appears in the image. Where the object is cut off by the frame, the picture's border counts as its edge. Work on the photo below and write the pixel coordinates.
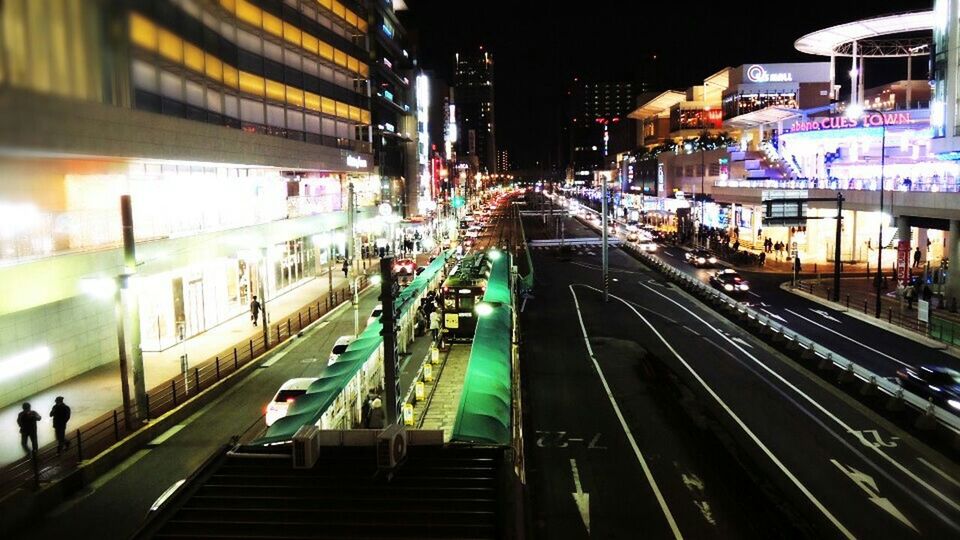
(434, 324)
(366, 407)
(27, 420)
(346, 268)
(61, 415)
(254, 310)
(762, 258)
(916, 257)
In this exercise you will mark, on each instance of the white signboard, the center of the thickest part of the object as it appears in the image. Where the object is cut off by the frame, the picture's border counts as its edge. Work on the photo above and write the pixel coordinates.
(923, 311)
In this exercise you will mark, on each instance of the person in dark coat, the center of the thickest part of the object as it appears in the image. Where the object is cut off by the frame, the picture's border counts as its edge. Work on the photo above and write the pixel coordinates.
(27, 420)
(254, 309)
(61, 415)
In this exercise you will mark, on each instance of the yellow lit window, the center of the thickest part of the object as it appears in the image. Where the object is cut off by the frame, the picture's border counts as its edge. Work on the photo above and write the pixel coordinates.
(248, 12)
(326, 3)
(352, 64)
(251, 84)
(351, 18)
(229, 5)
(329, 106)
(343, 110)
(231, 77)
(310, 43)
(364, 70)
(311, 101)
(339, 9)
(171, 46)
(295, 96)
(340, 57)
(272, 24)
(276, 90)
(291, 33)
(213, 67)
(326, 51)
(143, 32)
(365, 116)
(193, 57)
(354, 113)
(362, 25)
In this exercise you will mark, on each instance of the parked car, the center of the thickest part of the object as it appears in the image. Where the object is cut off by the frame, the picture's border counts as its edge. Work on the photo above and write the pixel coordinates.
(288, 392)
(938, 383)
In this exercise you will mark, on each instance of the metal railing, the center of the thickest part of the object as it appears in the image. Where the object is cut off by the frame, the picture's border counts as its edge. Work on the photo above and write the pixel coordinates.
(98, 435)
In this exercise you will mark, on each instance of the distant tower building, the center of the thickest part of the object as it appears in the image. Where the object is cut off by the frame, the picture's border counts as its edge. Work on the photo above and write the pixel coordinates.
(503, 161)
(591, 104)
(473, 96)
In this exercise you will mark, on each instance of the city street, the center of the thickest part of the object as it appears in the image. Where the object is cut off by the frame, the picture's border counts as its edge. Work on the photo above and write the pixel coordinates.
(831, 467)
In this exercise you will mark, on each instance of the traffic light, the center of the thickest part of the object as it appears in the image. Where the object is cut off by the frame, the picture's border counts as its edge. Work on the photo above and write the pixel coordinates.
(457, 201)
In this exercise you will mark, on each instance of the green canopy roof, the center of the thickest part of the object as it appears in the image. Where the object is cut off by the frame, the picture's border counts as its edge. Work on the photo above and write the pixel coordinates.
(484, 414)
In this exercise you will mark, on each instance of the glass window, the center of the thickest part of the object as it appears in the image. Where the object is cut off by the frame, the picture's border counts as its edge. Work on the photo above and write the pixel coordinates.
(273, 51)
(231, 106)
(343, 130)
(214, 100)
(295, 120)
(329, 127)
(275, 116)
(251, 111)
(194, 94)
(312, 123)
(145, 76)
(171, 86)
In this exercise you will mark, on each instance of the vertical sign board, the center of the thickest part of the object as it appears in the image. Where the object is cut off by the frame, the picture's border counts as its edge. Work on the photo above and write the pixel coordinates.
(903, 261)
(923, 311)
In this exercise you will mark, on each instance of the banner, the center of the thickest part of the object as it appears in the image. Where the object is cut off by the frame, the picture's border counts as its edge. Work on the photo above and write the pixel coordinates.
(903, 262)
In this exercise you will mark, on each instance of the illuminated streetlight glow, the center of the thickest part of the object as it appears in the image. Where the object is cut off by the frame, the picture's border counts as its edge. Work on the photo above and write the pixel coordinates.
(483, 309)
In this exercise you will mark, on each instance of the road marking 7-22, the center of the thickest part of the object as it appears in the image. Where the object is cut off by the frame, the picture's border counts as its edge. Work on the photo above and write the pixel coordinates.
(560, 439)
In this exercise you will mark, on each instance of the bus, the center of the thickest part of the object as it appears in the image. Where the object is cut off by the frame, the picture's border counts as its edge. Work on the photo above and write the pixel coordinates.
(461, 292)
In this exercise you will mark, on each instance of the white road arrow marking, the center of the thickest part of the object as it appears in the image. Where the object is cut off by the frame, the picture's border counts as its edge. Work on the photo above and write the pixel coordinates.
(825, 315)
(742, 342)
(579, 497)
(877, 438)
(774, 315)
(869, 485)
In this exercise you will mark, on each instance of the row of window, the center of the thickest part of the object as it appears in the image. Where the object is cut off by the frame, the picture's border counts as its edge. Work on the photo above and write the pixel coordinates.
(145, 34)
(255, 54)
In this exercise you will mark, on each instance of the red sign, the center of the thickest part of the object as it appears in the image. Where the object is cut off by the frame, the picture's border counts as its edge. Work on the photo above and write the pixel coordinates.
(903, 262)
(842, 122)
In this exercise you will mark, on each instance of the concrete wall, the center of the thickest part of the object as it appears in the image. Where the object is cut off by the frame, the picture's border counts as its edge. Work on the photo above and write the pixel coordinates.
(79, 332)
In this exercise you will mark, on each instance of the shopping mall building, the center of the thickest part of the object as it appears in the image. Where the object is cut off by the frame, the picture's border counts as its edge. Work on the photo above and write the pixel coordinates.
(235, 126)
(787, 138)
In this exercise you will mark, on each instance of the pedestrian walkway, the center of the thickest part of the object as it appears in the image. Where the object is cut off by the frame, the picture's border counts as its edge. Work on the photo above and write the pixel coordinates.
(441, 412)
(97, 391)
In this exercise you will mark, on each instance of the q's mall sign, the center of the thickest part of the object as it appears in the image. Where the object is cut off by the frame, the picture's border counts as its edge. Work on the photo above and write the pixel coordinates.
(842, 122)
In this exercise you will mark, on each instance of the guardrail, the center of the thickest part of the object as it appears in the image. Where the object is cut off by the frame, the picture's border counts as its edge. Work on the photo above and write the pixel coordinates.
(98, 435)
(807, 347)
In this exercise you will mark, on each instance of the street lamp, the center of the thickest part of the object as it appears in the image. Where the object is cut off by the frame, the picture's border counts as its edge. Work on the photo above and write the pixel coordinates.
(856, 111)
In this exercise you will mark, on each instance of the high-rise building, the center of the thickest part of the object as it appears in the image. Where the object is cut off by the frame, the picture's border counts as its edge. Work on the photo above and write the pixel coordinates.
(394, 106)
(474, 98)
(503, 161)
(236, 128)
(594, 107)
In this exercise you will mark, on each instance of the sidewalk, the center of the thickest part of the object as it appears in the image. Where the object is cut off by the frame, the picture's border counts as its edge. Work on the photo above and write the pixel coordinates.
(97, 391)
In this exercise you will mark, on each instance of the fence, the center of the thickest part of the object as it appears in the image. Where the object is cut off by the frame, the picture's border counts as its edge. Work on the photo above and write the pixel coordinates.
(100, 434)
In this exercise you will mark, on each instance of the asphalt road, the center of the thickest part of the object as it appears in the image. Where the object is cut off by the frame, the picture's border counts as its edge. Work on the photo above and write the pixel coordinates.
(116, 504)
(762, 447)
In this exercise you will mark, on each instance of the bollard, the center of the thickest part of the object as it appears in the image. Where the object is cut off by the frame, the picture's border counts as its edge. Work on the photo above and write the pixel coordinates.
(864, 305)
(288, 331)
(235, 363)
(116, 425)
(251, 349)
(173, 390)
(300, 320)
(848, 301)
(79, 446)
(890, 315)
(196, 379)
(217, 364)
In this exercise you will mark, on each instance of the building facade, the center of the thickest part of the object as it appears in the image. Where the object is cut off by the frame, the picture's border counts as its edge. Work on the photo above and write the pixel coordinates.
(235, 126)
(594, 108)
(473, 82)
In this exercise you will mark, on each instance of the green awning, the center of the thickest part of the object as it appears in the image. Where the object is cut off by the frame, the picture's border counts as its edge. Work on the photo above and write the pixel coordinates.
(484, 414)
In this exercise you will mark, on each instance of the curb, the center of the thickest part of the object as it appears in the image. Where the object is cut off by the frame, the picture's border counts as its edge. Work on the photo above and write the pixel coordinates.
(902, 332)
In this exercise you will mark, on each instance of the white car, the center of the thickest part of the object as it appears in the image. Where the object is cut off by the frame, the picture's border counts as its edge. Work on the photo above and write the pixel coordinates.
(375, 314)
(339, 348)
(289, 391)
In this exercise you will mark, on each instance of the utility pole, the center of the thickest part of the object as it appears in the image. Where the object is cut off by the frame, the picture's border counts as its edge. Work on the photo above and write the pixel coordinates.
(603, 233)
(128, 307)
(391, 371)
(262, 286)
(836, 250)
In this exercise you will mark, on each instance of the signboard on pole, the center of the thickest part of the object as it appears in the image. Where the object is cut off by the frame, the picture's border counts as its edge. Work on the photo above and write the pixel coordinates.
(923, 311)
(903, 261)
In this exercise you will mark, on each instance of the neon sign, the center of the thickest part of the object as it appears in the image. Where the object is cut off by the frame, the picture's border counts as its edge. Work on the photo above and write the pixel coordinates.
(756, 73)
(356, 162)
(842, 122)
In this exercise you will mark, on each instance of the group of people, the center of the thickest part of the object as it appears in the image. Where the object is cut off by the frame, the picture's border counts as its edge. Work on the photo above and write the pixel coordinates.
(428, 314)
(778, 247)
(28, 419)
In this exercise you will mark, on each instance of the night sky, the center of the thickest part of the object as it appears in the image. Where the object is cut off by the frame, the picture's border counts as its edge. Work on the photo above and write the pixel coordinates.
(539, 47)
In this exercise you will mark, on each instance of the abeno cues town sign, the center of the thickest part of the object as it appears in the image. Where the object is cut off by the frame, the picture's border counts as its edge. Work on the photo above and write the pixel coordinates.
(842, 122)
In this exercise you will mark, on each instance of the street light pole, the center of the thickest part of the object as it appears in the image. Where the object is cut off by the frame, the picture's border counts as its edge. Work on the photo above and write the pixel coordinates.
(883, 155)
(128, 308)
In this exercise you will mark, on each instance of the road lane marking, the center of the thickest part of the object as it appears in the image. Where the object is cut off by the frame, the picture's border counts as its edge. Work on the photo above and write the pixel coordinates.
(623, 423)
(827, 328)
(165, 435)
(753, 293)
(581, 499)
(833, 417)
(775, 316)
(866, 482)
(783, 468)
(938, 471)
(826, 315)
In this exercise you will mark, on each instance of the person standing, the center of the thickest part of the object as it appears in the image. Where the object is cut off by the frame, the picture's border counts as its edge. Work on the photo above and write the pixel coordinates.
(346, 268)
(762, 258)
(61, 415)
(434, 325)
(916, 257)
(254, 310)
(27, 420)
